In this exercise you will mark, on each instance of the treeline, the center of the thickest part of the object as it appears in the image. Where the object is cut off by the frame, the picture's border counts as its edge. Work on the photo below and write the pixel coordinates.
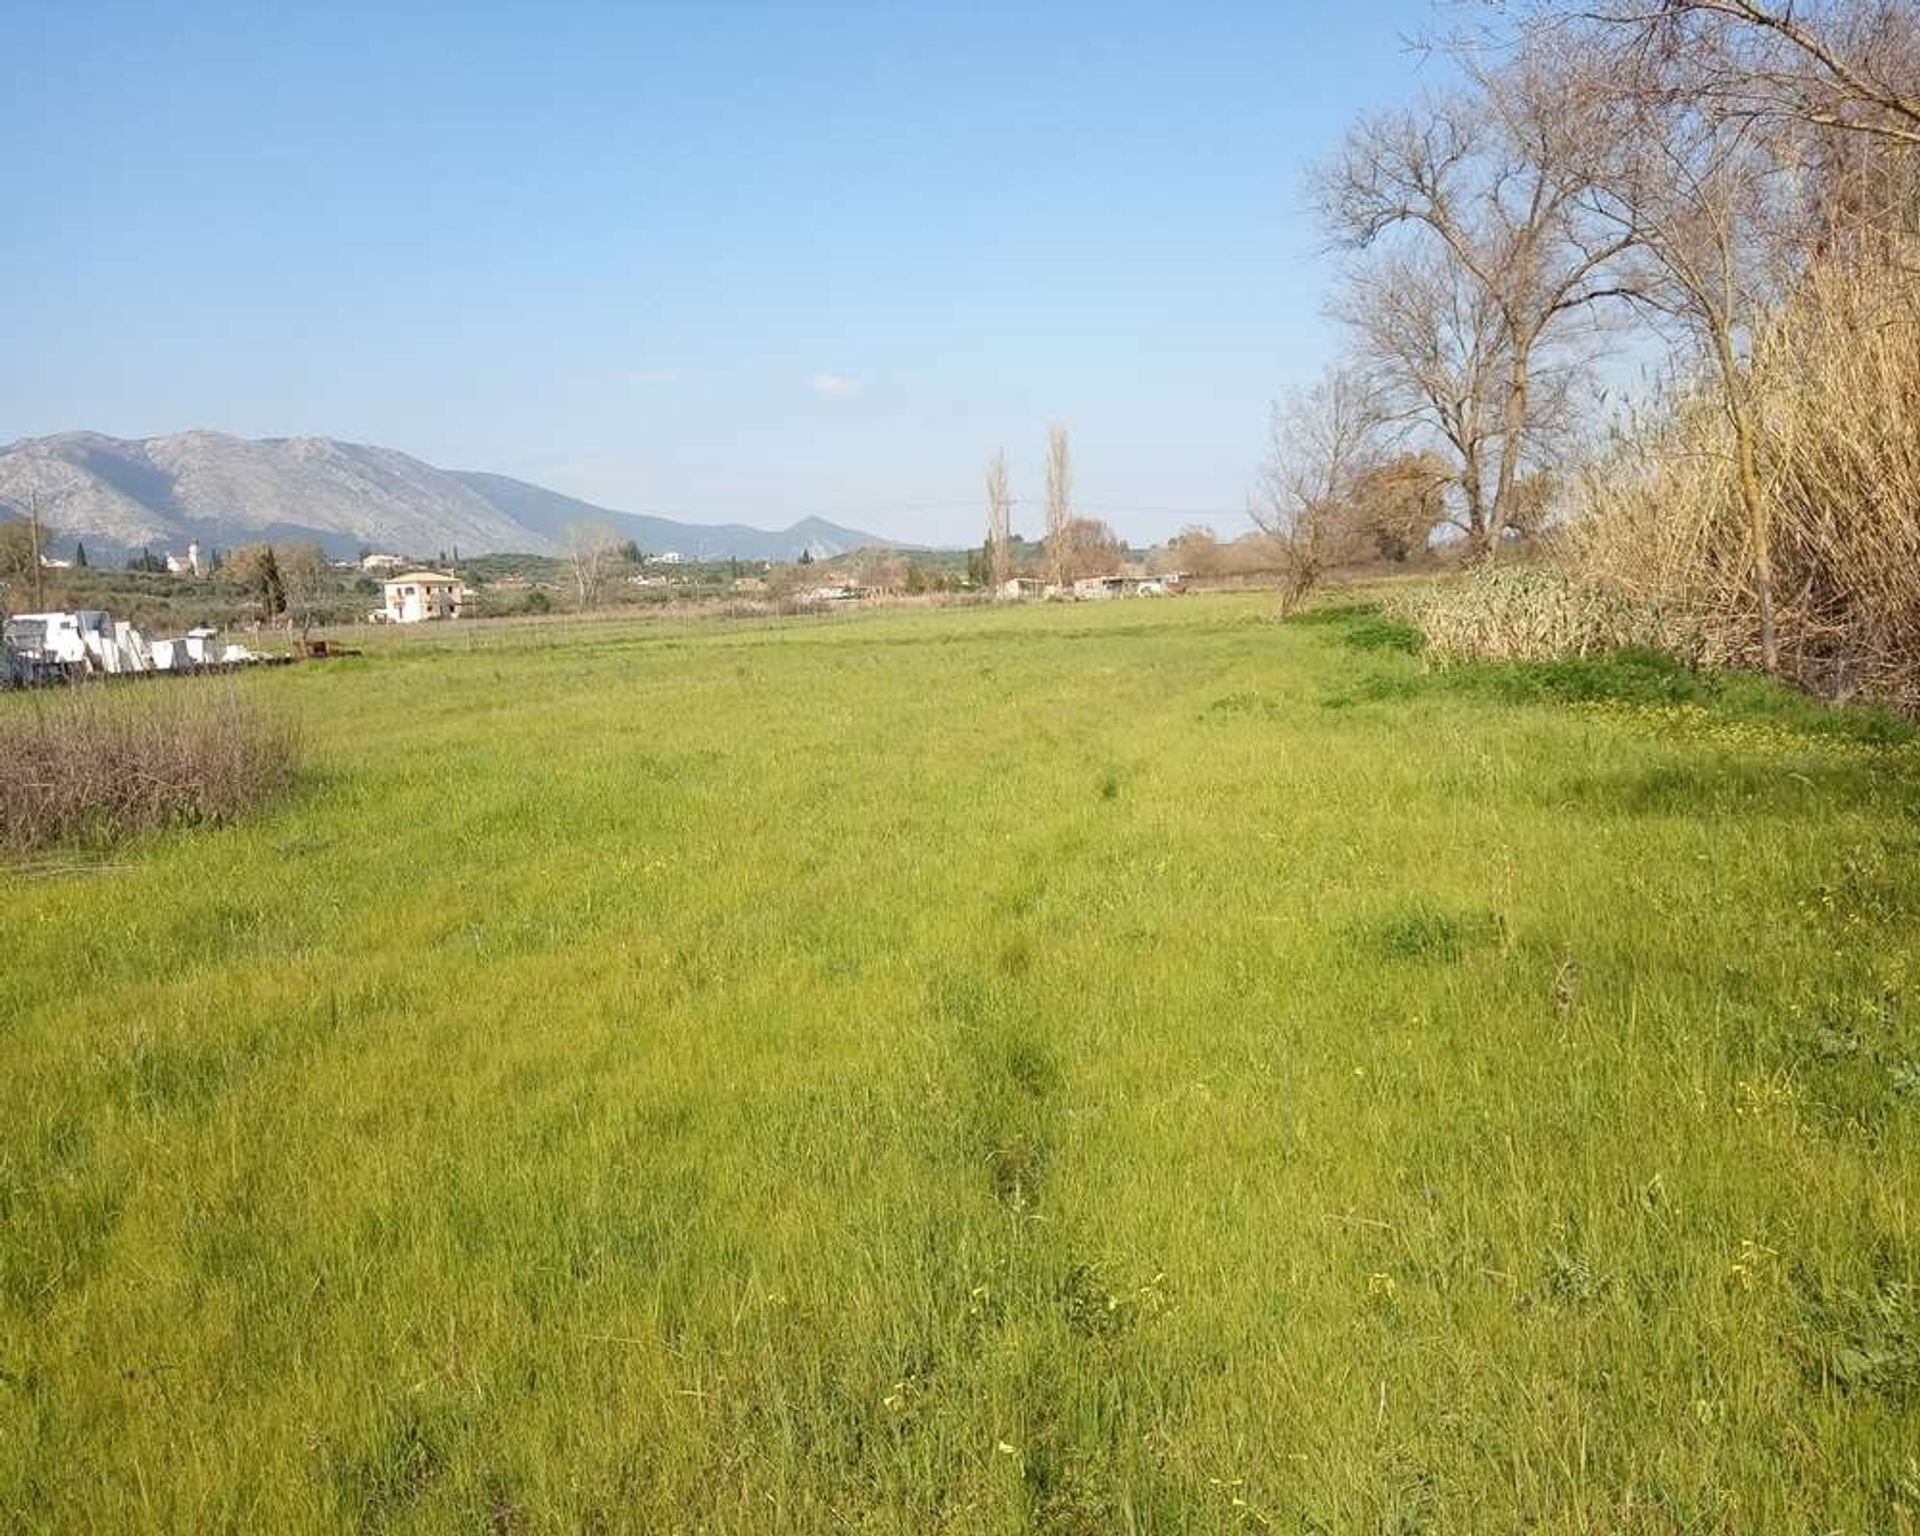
(1730, 185)
(290, 583)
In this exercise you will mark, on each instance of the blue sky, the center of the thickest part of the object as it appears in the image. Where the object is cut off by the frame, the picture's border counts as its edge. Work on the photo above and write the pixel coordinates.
(717, 262)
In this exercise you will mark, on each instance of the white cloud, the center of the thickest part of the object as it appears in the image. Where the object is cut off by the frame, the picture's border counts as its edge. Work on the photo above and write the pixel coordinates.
(835, 386)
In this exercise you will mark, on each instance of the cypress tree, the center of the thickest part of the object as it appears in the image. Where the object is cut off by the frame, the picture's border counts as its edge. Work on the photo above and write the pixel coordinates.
(273, 591)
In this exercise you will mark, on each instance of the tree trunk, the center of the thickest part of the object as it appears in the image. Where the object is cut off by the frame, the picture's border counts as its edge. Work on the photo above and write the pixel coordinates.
(1472, 488)
(1514, 429)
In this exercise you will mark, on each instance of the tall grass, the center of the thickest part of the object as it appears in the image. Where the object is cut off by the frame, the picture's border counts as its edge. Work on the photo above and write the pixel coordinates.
(97, 763)
(1072, 1069)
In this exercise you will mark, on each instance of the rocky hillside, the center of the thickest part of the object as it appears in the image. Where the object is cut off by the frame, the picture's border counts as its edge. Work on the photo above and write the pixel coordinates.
(119, 495)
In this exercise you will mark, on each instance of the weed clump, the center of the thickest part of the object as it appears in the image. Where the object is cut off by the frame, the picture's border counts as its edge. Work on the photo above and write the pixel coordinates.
(84, 766)
(1863, 1340)
(1422, 932)
(1538, 613)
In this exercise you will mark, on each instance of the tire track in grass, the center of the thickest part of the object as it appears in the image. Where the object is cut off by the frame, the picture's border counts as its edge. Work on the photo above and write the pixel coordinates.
(1058, 1328)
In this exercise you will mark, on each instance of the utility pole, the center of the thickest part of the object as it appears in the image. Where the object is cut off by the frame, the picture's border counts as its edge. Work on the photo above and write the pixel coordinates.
(33, 523)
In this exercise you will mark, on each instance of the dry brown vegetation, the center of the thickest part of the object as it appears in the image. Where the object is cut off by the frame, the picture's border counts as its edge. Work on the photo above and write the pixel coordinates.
(1537, 612)
(1832, 384)
(92, 764)
(1736, 182)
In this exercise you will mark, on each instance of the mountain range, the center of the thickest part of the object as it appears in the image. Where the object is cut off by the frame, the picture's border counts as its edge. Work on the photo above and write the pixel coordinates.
(121, 495)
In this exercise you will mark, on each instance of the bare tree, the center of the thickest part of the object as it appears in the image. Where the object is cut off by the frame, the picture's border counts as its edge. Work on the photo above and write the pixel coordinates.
(1852, 66)
(1725, 145)
(1091, 548)
(999, 520)
(880, 568)
(786, 580)
(1699, 203)
(1484, 190)
(1193, 551)
(591, 548)
(1319, 440)
(1699, 228)
(306, 581)
(1432, 345)
(1059, 502)
(1745, 176)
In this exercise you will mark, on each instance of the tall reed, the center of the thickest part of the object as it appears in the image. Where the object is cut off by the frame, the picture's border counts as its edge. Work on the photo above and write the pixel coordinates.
(1835, 382)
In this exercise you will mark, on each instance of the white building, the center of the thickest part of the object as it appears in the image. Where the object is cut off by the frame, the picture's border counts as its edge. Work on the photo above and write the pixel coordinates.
(186, 565)
(415, 596)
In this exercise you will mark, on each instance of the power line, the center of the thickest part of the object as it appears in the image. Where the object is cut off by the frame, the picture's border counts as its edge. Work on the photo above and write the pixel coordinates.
(1090, 506)
(970, 503)
(686, 516)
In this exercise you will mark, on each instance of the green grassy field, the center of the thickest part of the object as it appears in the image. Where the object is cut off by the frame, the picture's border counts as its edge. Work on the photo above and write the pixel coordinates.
(1134, 1067)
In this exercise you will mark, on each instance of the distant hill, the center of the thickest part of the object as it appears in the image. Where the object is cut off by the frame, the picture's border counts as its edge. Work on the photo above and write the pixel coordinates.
(118, 495)
(550, 514)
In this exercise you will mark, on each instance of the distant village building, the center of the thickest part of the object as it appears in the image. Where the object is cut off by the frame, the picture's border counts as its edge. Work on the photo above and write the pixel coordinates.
(1127, 584)
(382, 562)
(419, 595)
(188, 564)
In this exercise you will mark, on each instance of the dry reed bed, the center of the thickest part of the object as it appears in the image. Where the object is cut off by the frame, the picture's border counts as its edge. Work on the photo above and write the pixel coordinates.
(1661, 553)
(92, 764)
